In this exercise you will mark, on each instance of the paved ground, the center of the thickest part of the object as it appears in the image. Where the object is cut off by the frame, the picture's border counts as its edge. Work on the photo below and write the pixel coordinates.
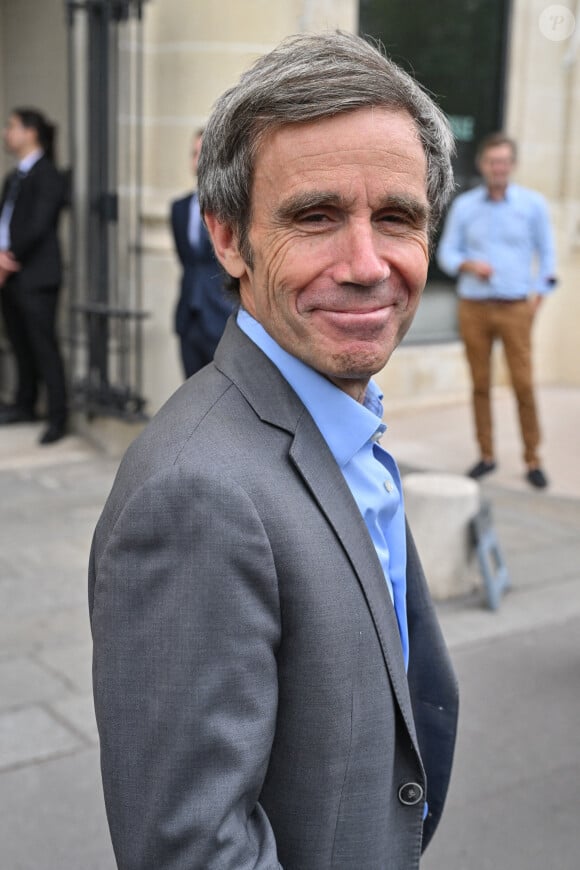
(515, 792)
(51, 810)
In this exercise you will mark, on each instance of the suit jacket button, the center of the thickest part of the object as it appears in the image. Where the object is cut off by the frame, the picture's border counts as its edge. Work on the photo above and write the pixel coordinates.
(411, 794)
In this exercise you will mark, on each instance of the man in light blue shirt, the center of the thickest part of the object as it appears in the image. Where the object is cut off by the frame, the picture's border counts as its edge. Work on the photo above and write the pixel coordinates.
(498, 242)
(272, 687)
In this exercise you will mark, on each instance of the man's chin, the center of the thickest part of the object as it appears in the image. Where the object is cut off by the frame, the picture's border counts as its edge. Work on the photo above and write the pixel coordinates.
(356, 366)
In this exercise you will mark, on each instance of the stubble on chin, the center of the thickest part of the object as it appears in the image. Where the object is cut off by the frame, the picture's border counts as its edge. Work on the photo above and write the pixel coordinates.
(351, 365)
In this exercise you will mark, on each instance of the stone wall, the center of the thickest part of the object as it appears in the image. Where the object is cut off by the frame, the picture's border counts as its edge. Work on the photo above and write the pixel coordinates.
(193, 50)
(543, 115)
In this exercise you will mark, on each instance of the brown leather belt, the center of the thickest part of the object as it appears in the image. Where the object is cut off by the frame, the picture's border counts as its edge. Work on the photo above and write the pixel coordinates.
(495, 299)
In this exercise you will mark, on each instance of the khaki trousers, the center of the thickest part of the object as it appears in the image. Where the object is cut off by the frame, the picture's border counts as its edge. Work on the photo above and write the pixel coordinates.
(479, 324)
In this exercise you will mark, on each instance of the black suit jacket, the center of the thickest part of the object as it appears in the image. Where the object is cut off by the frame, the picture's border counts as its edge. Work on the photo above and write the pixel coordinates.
(202, 304)
(34, 223)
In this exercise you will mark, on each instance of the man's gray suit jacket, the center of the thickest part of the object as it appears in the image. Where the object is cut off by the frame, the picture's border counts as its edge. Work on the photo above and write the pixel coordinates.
(250, 690)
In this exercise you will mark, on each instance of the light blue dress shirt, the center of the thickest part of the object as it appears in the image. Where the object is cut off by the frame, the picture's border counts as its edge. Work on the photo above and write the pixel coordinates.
(352, 432)
(513, 235)
(194, 225)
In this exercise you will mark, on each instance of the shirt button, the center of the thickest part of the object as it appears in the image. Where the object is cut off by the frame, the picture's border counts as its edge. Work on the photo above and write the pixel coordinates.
(388, 485)
(411, 794)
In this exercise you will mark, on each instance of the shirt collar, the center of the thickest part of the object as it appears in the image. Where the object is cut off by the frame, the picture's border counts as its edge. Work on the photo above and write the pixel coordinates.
(345, 424)
(26, 164)
(509, 196)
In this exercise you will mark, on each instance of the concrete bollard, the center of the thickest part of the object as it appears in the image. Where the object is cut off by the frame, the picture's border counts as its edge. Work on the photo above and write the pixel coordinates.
(440, 508)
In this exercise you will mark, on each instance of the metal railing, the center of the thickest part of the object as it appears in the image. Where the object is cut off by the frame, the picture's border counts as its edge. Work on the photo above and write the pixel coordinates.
(106, 315)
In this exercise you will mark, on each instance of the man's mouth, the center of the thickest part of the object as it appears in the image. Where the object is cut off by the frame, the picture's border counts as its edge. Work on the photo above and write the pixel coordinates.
(355, 318)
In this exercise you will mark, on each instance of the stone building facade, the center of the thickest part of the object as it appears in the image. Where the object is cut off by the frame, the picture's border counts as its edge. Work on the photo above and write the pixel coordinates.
(192, 50)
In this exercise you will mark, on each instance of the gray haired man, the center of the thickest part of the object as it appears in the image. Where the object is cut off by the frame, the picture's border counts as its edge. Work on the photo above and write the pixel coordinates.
(271, 685)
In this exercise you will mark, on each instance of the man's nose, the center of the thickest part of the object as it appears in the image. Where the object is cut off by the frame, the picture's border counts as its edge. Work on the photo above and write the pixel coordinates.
(360, 261)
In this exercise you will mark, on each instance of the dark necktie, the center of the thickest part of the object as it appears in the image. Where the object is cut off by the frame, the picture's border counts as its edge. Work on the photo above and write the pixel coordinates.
(13, 186)
(12, 189)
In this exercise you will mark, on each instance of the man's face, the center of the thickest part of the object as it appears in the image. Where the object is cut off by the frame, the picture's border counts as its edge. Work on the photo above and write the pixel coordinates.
(339, 238)
(18, 139)
(496, 165)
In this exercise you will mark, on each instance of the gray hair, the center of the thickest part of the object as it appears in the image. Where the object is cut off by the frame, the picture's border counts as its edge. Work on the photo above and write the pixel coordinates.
(307, 77)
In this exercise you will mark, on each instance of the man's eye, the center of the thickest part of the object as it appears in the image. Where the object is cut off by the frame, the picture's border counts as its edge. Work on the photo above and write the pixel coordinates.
(393, 218)
(313, 217)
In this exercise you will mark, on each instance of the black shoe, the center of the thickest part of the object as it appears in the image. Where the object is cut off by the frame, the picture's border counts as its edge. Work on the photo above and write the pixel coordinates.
(14, 414)
(481, 468)
(537, 478)
(52, 434)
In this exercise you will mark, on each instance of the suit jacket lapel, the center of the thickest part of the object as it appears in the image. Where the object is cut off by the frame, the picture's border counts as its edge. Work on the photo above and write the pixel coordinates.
(276, 402)
(315, 462)
(183, 222)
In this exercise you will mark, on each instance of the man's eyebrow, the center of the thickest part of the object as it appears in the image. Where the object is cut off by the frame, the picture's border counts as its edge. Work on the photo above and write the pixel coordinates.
(306, 200)
(413, 208)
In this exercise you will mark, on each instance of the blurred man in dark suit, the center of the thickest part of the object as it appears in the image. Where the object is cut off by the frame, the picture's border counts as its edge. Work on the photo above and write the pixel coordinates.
(202, 307)
(31, 271)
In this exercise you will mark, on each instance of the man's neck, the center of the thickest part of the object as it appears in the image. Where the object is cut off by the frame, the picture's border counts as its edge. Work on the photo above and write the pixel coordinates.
(356, 389)
(497, 193)
(23, 153)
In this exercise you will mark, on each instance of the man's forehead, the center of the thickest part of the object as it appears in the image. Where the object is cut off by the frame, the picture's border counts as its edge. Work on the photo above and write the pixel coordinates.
(382, 145)
(343, 120)
(382, 133)
(501, 151)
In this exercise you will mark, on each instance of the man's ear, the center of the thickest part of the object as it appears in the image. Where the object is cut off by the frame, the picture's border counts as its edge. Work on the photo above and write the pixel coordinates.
(226, 246)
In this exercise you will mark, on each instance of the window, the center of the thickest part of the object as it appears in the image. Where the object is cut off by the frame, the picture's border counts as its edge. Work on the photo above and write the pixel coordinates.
(456, 49)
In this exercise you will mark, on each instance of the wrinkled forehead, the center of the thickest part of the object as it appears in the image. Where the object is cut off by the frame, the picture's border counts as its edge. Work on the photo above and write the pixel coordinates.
(369, 134)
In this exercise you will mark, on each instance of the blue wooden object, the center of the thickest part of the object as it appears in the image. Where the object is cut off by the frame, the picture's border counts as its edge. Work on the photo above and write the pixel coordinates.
(489, 555)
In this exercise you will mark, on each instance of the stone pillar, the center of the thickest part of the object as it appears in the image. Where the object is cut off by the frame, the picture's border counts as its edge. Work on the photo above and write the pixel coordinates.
(439, 508)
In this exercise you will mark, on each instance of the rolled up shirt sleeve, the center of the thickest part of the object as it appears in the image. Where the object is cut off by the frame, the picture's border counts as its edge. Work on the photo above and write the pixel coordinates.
(544, 245)
(452, 249)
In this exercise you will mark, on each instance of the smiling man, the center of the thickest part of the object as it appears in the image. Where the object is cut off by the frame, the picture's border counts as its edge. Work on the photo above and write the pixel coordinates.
(271, 685)
(339, 240)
